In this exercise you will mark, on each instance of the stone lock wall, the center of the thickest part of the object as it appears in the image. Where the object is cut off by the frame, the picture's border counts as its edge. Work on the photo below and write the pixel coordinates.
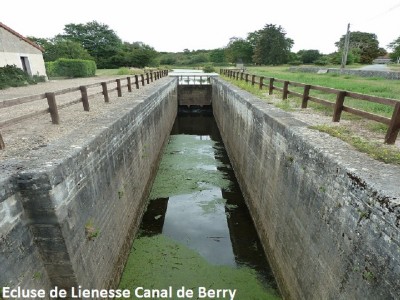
(194, 95)
(327, 215)
(72, 213)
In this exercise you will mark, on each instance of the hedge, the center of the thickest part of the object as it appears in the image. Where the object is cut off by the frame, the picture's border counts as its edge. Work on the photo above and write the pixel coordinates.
(71, 68)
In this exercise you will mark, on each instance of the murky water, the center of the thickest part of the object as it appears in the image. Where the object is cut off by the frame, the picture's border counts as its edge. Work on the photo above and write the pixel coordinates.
(197, 231)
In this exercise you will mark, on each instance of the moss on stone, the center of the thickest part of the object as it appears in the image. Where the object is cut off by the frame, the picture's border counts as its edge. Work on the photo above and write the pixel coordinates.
(158, 262)
(188, 165)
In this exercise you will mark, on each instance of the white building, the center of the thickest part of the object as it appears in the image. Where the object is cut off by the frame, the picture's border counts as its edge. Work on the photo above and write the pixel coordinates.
(20, 51)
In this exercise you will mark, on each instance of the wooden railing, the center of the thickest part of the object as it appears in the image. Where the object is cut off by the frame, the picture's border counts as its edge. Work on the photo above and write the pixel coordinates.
(337, 106)
(53, 108)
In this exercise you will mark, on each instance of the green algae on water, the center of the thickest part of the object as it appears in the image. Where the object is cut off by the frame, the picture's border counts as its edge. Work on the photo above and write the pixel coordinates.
(188, 165)
(158, 262)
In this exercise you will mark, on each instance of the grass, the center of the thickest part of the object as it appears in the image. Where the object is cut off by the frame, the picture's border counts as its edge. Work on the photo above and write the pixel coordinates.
(375, 86)
(394, 67)
(120, 71)
(371, 86)
(375, 150)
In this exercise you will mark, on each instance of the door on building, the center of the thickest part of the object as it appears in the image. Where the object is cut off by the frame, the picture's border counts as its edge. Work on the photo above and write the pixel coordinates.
(25, 65)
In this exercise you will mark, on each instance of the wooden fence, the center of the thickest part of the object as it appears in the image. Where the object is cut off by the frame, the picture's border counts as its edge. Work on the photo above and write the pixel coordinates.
(53, 108)
(337, 106)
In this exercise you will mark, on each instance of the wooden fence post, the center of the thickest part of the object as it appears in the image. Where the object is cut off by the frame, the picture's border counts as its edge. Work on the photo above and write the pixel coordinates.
(306, 94)
(129, 84)
(271, 86)
(105, 92)
(119, 89)
(51, 100)
(142, 77)
(338, 106)
(2, 145)
(151, 76)
(253, 79)
(147, 78)
(237, 75)
(247, 77)
(241, 75)
(137, 81)
(261, 83)
(285, 90)
(394, 126)
(85, 99)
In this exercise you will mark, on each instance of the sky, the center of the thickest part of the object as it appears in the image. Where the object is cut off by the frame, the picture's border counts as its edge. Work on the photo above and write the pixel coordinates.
(175, 25)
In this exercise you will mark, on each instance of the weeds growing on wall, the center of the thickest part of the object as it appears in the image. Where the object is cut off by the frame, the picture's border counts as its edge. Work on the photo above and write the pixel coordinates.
(377, 151)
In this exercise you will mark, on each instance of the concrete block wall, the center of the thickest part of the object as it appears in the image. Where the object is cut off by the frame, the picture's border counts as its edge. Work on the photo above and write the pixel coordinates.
(82, 198)
(327, 215)
(198, 95)
(20, 261)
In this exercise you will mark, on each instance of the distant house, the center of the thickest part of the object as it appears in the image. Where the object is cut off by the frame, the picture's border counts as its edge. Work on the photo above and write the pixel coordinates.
(20, 51)
(382, 60)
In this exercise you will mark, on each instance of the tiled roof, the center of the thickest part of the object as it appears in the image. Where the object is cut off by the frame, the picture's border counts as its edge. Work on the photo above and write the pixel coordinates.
(20, 36)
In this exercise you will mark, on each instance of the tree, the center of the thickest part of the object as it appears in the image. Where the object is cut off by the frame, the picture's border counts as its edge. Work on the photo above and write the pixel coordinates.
(217, 56)
(238, 48)
(98, 39)
(42, 42)
(309, 56)
(395, 47)
(56, 48)
(272, 46)
(135, 54)
(362, 44)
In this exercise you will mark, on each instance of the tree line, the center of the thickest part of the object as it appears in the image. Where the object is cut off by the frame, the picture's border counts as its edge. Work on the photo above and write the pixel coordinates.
(98, 42)
(267, 46)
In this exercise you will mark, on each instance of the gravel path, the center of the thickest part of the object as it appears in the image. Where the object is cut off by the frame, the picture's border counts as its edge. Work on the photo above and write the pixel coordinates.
(50, 86)
(37, 132)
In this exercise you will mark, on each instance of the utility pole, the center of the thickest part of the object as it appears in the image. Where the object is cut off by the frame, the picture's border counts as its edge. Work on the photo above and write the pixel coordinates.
(346, 48)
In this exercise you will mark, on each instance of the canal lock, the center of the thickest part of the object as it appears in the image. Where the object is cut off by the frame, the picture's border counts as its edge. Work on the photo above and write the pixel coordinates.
(197, 239)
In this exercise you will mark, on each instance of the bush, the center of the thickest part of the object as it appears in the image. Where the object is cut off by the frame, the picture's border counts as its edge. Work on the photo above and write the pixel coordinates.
(295, 63)
(38, 78)
(50, 65)
(12, 76)
(123, 71)
(209, 68)
(323, 61)
(72, 68)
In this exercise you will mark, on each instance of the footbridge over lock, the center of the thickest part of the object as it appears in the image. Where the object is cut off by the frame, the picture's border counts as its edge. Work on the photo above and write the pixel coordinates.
(327, 216)
(194, 87)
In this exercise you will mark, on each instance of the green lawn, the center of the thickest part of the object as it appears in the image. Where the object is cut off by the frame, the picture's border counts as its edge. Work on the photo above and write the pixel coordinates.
(371, 86)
